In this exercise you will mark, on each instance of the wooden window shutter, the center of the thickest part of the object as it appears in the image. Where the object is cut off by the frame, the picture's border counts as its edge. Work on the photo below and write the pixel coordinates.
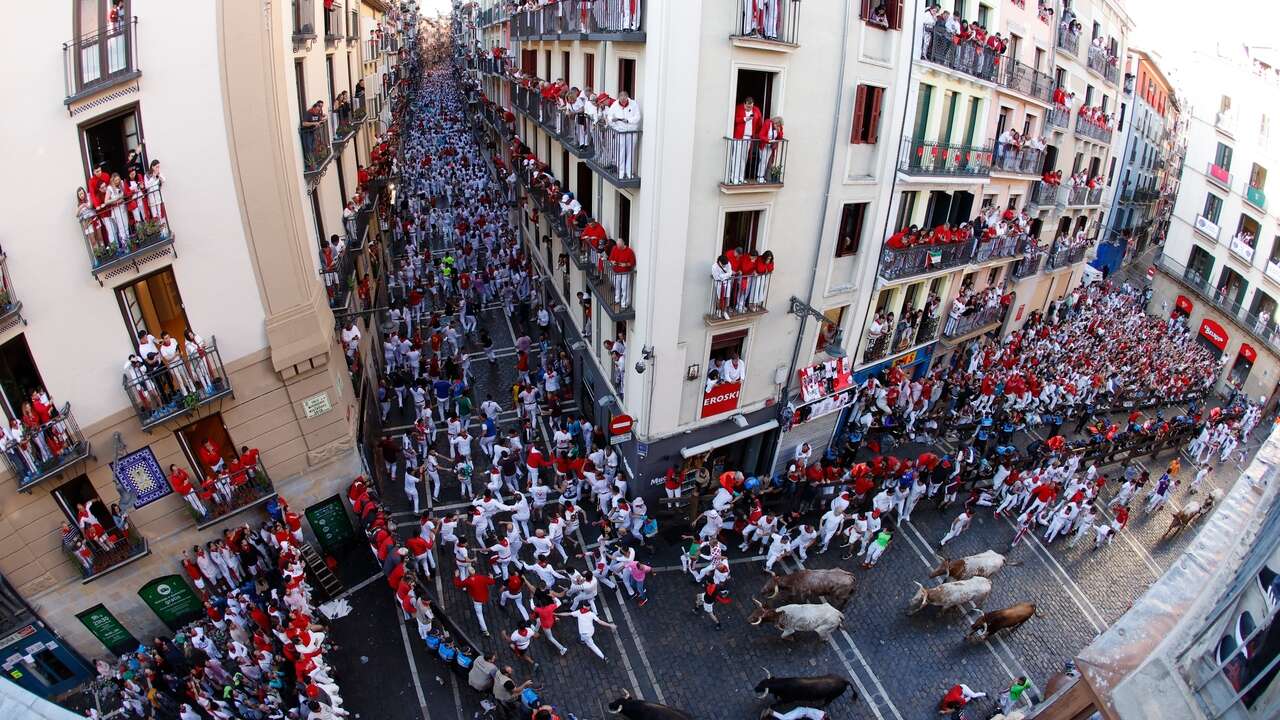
(894, 10)
(873, 124)
(866, 9)
(858, 103)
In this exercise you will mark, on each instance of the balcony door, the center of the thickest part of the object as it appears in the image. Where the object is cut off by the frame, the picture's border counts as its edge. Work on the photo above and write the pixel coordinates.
(19, 375)
(102, 39)
(109, 141)
(153, 304)
(212, 428)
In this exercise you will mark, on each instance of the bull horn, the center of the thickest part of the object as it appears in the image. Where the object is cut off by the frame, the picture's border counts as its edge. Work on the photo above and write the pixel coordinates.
(767, 675)
(626, 694)
(776, 590)
(757, 602)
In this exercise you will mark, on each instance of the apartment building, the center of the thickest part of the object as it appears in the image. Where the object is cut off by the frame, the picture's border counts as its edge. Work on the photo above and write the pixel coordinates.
(986, 134)
(693, 180)
(1221, 260)
(1151, 144)
(179, 187)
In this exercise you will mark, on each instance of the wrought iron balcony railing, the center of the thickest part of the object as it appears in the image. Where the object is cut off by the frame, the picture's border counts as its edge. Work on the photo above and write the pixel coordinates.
(121, 231)
(1025, 161)
(163, 390)
(44, 449)
(926, 157)
(754, 162)
(969, 58)
(100, 59)
(317, 147)
(738, 295)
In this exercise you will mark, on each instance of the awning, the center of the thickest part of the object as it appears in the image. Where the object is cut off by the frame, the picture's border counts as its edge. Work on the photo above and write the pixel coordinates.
(729, 439)
(1248, 353)
(1184, 304)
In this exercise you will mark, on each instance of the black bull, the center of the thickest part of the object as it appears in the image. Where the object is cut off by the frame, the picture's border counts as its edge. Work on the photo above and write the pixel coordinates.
(819, 690)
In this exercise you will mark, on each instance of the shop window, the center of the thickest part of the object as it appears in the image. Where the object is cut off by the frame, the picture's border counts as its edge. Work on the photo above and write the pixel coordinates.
(19, 376)
(193, 438)
(851, 226)
(152, 304)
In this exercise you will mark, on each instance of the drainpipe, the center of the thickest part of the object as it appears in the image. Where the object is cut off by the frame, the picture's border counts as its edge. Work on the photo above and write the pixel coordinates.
(784, 391)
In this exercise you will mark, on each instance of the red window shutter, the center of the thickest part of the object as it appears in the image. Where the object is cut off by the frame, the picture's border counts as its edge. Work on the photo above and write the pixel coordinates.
(894, 11)
(866, 9)
(858, 102)
(873, 124)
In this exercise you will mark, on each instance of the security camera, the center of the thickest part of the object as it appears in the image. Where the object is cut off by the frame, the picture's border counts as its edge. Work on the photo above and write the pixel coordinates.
(641, 366)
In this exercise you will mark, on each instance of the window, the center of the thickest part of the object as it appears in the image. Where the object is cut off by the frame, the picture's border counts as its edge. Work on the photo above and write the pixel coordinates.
(1258, 177)
(586, 189)
(1088, 95)
(624, 218)
(96, 60)
(866, 114)
(627, 76)
(77, 492)
(1222, 157)
(1038, 63)
(110, 141)
(984, 15)
(212, 429)
(546, 65)
(1212, 207)
(851, 222)
(924, 100)
(892, 13)
(906, 210)
(328, 72)
(724, 348)
(741, 231)
(1060, 78)
(300, 85)
(317, 216)
(152, 304)
(758, 85)
(588, 71)
(18, 375)
(565, 68)
(827, 331)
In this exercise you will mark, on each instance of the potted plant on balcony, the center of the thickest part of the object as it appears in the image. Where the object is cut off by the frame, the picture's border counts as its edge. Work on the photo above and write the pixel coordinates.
(775, 174)
(103, 254)
(149, 231)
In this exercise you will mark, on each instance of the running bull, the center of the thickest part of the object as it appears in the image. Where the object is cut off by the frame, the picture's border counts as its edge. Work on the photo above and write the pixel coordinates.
(983, 564)
(805, 586)
(633, 709)
(949, 595)
(791, 619)
(1009, 618)
(816, 691)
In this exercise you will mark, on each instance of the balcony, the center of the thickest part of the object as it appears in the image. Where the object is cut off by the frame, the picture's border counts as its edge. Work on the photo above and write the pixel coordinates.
(1042, 195)
(1022, 78)
(332, 27)
(339, 277)
(738, 296)
(240, 489)
(614, 155)
(100, 60)
(1262, 327)
(999, 248)
(926, 158)
(1092, 130)
(1225, 122)
(1027, 266)
(372, 49)
(967, 58)
(1065, 257)
(360, 110)
(494, 66)
(10, 305)
(1094, 197)
(1255, 197)
(344, 126)
(1068, 42)
(1219, 175)
(568, 20)
(1059, 117)
(317, 148)
(114, 550)
(615, 290)
(163, 391)
(1008, 159)
(907, 336)
(966, 324)
(45, 450)
(779, 34)
(1099, 62)
(754, 165)
(126, 232)
(1207, 227)
(921, 259)
(1242, 249)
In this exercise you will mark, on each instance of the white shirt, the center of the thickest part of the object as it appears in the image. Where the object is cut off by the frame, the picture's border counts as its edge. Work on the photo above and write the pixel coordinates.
(733, 371)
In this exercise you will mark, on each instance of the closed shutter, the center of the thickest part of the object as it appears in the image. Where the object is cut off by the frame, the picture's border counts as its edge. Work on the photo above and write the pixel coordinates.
(815, 432)
(858, 102)
(873, 125)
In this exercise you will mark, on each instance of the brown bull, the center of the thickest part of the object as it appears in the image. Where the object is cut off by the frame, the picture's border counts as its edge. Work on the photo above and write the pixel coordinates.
(811, 586)
(1005, 619)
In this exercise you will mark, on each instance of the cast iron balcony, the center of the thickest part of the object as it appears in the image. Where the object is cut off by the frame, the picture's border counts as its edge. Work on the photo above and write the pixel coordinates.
(968, 58)
(1059, 117)
(165, 391)
(317, 147)
(926, 157)
(1068, 41)
(1023, 78)
(1026, 161)
(617, 155)
(100, 59)
(780, 34)
(1027, 266)
(578, 20)
(239, 489)
(1092, 130)
(115, 549)
(10, 305)
(45, 449)
(754, 164)
(1100, 63)
(738, 296)
(304, 17)
(1043, 194)
(339, 277)
(906, 262)
(126, 232)
(969, 323)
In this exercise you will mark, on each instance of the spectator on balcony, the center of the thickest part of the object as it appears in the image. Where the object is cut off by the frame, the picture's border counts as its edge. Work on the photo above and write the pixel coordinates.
(342, 108)
(760, 281)
(181, 483)
(771, 136)
(117, 216)
(17, 447)
(92, 224)
(747, 124)
(622, 260)
(623, 118)
(1008, 142)
(151, 184)
(312, 119)
(721, 282)
(880, 17)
